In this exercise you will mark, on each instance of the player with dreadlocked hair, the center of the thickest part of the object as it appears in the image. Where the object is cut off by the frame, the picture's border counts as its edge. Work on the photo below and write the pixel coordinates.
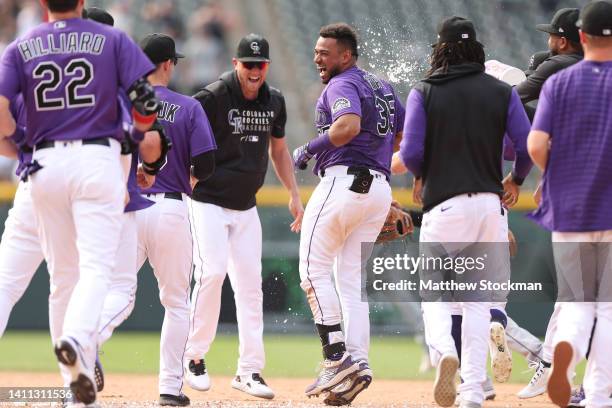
(454, 53)
(453, 136)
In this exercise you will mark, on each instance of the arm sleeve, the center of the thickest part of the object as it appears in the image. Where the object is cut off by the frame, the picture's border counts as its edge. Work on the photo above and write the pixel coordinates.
(203, 165)
(133, 64)
(412, 146)
(201, 135)
(517, 129)
(343, 99)
(10, 85)
(543, 119)
(278, 128)
(530, 88)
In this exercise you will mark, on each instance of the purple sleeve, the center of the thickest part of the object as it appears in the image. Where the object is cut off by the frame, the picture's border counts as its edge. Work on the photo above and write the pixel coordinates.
(509, 153)
(343, 98)
(201, 138)
(400, 115)
(133, 63)
(412, 146)
(544, 114)
(9, 74)
(517, 129)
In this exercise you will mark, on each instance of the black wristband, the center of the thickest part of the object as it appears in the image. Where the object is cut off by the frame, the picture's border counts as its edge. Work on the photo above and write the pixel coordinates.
(517, 180)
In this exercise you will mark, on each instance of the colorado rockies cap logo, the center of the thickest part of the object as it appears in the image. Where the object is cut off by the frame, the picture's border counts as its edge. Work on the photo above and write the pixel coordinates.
(255, 47)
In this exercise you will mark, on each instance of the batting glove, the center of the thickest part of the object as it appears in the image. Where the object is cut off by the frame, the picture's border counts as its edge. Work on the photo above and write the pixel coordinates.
(301, 157)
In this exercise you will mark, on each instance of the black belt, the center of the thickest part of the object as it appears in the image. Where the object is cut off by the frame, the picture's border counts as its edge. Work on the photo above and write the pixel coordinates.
(101, 141)
(172, 196)
(354, 170)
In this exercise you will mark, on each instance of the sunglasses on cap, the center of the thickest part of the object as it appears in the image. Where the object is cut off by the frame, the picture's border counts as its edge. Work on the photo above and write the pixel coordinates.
(253, 64)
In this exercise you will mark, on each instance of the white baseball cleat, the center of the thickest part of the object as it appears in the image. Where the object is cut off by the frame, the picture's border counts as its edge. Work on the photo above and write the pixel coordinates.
(254, 385)
(537, 385)
(501, 356)
(445, 387)
(196, 375)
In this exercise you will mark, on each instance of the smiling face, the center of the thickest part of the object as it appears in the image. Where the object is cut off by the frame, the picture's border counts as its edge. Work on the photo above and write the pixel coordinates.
(330, 58)
(251, 76)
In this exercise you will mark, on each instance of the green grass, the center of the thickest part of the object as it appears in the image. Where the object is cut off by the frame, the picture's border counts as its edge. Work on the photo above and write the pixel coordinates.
(391, 357)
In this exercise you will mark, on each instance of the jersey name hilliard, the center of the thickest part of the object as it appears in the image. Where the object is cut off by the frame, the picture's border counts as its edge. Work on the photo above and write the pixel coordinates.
(168, 111)
(245, 121)
(67, 43)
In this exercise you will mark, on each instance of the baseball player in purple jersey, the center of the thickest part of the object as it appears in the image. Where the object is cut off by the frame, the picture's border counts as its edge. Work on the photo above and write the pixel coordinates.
(358, 117)
(69, 72)
(571, 141)
(192, 154)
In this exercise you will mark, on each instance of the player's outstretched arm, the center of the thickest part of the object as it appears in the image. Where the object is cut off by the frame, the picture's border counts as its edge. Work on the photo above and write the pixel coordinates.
(283, 166)
(7, 122)
(144, 104)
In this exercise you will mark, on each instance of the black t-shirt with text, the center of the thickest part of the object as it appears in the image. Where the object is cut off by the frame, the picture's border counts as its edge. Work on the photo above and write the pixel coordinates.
(242, 129)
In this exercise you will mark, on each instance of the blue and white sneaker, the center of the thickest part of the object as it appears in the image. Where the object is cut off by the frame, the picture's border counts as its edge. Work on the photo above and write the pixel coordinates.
(332, 374)
(578, 398)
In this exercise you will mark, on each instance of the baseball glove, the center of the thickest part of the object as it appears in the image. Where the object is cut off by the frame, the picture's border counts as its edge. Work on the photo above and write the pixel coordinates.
(397, 225)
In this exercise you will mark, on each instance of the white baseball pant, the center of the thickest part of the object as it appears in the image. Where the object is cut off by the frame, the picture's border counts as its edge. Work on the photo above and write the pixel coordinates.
(336, 223)
(20, 252)
(121, 296)
(164, 238)
(227, 242)
(78, 198)
(466, 218)
(578, 317)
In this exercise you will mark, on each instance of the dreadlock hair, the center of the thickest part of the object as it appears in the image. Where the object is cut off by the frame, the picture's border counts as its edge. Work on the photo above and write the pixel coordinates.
(454, 53)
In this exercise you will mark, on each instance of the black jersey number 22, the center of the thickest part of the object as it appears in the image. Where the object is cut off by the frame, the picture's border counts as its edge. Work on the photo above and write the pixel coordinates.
(81, 74)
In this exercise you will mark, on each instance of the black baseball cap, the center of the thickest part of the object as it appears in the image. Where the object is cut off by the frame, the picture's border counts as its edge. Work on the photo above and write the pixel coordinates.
(253, 47)
(159, 48)
(98, 15)
(596, 19)
(455, 29)
(563, 24)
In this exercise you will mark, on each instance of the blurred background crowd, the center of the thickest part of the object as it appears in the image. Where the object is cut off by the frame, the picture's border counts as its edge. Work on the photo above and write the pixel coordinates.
(395, 38)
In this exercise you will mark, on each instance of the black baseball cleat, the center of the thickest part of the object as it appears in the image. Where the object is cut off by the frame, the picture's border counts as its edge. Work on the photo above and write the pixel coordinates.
(169, 400)
(82, 385)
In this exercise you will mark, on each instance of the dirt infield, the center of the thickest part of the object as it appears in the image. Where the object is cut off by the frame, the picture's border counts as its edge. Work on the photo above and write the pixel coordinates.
(141, 390)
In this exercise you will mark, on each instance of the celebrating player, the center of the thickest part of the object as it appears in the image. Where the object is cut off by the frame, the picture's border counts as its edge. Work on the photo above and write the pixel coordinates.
(70, 82)
(574, 153)
(457, 104)
(248, 120)
(184, 121)
(358, 118)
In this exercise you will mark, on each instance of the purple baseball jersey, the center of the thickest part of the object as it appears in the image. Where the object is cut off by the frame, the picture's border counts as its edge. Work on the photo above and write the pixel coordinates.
(70, 73)
(358, 92)
(187, 125)
(575, 109)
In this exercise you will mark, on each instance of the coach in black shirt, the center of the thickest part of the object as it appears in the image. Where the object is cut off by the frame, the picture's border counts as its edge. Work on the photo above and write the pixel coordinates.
(248, 118)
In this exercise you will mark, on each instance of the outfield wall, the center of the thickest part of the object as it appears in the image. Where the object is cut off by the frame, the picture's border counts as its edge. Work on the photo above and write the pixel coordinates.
(284, 302)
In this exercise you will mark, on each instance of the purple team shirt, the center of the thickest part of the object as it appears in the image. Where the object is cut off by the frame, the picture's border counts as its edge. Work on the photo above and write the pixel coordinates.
(186, 124)
(358, 92)
(70, 73)
(412, 146)
(575, 109)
